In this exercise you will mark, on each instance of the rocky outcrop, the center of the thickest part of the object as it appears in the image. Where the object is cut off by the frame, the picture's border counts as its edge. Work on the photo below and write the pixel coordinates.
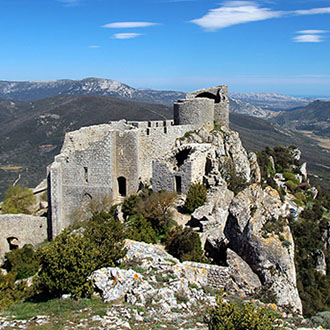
(161, 278)
(257, 232)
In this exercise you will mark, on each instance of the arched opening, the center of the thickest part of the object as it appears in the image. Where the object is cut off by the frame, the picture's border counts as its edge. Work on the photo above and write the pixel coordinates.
(13, 243)
(122, 186)
(182, 155)
(211, 96)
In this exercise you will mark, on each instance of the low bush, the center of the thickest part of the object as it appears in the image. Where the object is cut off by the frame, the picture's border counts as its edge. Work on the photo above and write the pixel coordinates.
(11, 292)
(196, 197)
(185, 244)
(68, 260)
(23, 262)
(231, 316)
(138, 228)
(18, 200)
(156, 209)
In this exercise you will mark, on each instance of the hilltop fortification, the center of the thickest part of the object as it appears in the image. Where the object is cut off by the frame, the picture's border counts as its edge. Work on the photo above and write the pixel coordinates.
(116, 159)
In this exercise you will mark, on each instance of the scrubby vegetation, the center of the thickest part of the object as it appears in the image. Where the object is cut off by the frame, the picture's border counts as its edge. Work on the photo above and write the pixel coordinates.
(11, 292)
(68, 260)
(185, 244)
(18, 200)
(196, 197)
(234, 316)
(22, 262)
(309, 230)
(147, 216)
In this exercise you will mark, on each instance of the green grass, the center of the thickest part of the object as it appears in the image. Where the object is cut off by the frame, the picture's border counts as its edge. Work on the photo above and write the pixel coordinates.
(63, 308)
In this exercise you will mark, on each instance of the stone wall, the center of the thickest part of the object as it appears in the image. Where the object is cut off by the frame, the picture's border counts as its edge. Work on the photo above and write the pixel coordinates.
(20, 229)
(198, 112)
(219, 95)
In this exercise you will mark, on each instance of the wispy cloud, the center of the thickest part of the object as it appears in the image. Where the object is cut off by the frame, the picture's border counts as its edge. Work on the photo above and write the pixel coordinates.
(128, 25)
(313, 36)
(126, 35)
(313, 11)
(70, 3)
(235, 12)
(94, 46)
(238, 12)
(312, 31)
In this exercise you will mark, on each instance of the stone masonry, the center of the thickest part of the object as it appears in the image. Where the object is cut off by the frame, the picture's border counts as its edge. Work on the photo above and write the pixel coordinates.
(116, 159)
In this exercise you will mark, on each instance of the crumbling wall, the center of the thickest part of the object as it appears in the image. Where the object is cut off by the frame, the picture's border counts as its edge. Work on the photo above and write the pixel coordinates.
(20, 229)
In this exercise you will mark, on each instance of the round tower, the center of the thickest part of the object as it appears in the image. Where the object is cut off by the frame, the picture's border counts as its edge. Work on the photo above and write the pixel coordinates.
(196, 111)
(219, 96)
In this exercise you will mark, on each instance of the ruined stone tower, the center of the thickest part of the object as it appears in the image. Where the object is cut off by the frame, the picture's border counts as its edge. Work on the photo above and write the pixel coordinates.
(116, 159)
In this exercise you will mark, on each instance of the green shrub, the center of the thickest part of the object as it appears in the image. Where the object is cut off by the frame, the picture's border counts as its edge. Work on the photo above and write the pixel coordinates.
(11, 292)
(291, 185)
(129, 206)
(196, 197)
(23, 262)
(68, 260)
(231, 316)
(321, 319)
(156, 209)
(138, 228)
(18, 200)
(185, 244)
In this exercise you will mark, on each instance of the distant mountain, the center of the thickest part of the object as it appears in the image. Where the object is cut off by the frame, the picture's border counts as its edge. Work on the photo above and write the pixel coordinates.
(245, 108)
(35, 90)
(272, 101)
(32, 133)
(314, 117)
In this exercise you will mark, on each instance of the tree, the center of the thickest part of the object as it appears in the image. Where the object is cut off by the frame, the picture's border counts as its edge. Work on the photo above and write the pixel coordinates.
(68, 260)
(18, 200)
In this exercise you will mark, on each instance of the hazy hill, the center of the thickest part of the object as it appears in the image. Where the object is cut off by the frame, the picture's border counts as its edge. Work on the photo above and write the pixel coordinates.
(35, 90)
(255, 104)
(313, 117)
(272, 101)
(31, 133)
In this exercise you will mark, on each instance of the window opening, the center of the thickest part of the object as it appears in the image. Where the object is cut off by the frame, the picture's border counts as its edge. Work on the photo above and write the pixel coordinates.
(178, 184)
(122, 186)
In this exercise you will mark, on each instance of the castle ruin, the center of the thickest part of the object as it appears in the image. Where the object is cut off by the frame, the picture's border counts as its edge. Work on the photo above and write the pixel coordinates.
(119, 158)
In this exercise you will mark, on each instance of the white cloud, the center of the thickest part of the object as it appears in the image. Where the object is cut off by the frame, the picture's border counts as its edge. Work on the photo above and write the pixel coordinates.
(313, 11)
(308, 38)
(126, 35)
(238, 12)
(314, 36)
(312, 31)
(235, 12)
(94, 46)
(120, 25)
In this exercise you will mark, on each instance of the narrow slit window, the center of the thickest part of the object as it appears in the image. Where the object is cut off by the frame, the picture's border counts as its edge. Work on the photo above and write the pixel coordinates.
(178, 184)
(86, 174)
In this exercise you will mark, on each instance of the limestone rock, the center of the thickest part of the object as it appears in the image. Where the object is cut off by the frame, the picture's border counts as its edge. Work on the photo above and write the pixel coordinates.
(265, 253)
(245, 279)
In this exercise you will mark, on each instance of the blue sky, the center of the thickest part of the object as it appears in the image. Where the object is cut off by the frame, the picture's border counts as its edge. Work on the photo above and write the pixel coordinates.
(270, 45)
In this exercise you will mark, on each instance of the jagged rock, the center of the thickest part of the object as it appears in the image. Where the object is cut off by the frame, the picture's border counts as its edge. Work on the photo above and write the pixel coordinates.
(245, 279)
(265, 253)
(320, 262)
(215, 212)
(254, 167)
(303, 170)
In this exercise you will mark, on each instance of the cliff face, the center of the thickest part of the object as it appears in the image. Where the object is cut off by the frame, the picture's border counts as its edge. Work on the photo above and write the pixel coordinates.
(249, 224)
